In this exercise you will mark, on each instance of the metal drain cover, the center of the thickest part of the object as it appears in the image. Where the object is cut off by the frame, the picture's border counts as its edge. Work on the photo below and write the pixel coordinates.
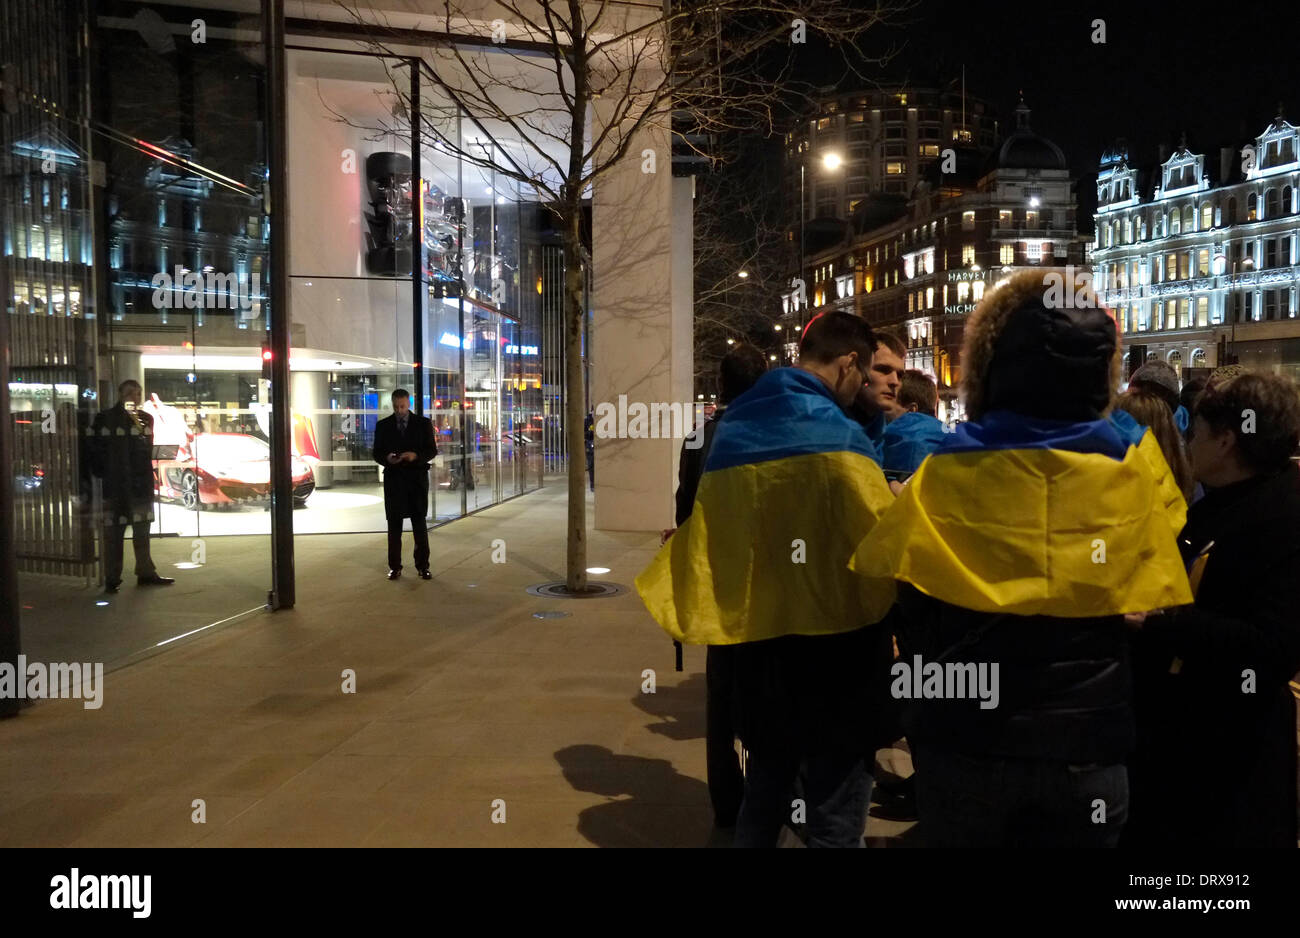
(551, 614)
(558, 590)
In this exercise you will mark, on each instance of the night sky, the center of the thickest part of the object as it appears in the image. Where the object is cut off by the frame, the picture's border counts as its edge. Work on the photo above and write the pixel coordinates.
(1165, 68)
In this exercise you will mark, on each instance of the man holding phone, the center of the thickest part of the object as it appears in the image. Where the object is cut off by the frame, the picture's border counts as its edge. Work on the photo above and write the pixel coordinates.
(404, 446)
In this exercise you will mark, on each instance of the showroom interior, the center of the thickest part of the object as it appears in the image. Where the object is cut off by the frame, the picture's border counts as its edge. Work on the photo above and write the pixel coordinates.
(138, 224)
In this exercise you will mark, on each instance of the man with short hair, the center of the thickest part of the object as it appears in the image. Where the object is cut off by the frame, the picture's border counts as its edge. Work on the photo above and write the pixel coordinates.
(1212, 677)
(121, 454)
(917, 432)
(404, 446)
(791, 483)
(877, 403)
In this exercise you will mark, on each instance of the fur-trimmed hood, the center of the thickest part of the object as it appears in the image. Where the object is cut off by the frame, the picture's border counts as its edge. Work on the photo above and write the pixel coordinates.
(1042, 345)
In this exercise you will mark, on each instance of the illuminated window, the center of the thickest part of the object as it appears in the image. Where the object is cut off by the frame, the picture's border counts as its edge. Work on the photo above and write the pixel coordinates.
(1031, 219)
(1252, 207)
(1175, 222)
(929, 297)
(823, 123)
(1007, 254)
(1158, 315)
(1199, 359)
(1202, 311)
(911, 308)
(1184, 265)
(961, 136)
(1203, 263)
(967, 221)
(1033, 251)
(1005, 219)
(1184, 314)
(1171, 266)
(927, 150)
(963, 292)
(894, 168)
(967, 255)
(977, 290)
(1207, 216)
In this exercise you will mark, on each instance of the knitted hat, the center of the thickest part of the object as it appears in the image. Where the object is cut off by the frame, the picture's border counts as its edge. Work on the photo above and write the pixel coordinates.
(1160, 379)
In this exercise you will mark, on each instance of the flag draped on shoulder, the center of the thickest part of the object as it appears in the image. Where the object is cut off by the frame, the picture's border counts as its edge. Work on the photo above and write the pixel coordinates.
(790, 486)
(1030, 516)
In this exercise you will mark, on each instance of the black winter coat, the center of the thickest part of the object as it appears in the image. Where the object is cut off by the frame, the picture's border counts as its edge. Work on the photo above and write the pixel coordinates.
(406, 484)
(1216, 766)
(1064, 685)
(121, 454)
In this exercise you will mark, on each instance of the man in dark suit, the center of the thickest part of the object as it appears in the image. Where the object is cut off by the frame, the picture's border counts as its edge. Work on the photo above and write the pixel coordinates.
(121, 453)
(404, 446)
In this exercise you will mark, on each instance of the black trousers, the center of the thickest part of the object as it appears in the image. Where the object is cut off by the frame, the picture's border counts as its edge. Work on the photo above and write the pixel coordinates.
(114, 535)
(726, 784)
(420, 528)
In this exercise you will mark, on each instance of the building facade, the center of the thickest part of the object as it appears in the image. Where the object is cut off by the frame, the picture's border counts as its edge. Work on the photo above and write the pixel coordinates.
(922, 273)
(884, 140)
(1198, 258)
(142, 219)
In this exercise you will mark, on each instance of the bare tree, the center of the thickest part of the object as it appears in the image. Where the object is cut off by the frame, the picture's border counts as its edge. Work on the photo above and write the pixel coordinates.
(527, 91)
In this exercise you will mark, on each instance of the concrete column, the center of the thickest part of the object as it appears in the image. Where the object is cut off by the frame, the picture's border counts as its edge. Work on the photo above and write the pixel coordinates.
(641, 301)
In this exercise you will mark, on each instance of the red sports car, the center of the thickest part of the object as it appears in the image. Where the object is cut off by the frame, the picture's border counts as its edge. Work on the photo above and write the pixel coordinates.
(223, 469)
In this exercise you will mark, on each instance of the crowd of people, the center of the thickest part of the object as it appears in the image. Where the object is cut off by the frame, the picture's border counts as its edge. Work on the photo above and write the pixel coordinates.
(1074, 655)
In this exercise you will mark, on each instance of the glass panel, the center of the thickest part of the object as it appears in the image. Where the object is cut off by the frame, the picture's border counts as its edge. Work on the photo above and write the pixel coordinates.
(137, 258)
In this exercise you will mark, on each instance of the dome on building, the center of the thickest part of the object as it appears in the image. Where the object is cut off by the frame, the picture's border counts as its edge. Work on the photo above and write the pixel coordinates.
(1025, 149)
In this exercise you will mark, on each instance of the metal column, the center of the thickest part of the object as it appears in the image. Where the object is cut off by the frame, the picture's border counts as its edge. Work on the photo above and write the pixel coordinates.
(282, 576)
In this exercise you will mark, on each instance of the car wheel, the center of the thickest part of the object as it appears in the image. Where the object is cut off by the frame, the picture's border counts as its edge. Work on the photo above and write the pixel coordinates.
(190, 491)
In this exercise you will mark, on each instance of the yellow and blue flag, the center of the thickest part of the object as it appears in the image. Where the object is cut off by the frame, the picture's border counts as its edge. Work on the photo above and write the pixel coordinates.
(908, 440)
(790, 487)
(1029, 516)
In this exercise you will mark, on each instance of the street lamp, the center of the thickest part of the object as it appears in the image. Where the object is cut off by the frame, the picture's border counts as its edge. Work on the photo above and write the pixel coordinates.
(831, 160)
(743, 275)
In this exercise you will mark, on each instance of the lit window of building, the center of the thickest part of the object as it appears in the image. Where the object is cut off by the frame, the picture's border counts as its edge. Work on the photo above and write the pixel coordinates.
(1007, 254)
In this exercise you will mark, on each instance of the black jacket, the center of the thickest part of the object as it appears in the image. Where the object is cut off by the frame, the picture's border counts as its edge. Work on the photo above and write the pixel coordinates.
(406, 484)
(1064, 685)
(1216, 766)
(121, 454)
(690, 467)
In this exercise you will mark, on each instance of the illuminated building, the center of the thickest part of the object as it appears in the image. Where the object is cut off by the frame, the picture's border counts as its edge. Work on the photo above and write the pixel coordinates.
(921, 272)
(1198, 258)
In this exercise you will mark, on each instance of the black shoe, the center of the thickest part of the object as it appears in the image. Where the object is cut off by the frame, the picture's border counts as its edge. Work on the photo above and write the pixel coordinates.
(112, 587)
(154, 580)
(394, 574)
(426, 575)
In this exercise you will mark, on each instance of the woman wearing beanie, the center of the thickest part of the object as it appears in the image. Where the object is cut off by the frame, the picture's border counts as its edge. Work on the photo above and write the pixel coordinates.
(1019, 546)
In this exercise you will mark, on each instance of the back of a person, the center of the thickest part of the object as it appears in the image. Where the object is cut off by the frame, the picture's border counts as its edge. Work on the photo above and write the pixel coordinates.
(1020, 545)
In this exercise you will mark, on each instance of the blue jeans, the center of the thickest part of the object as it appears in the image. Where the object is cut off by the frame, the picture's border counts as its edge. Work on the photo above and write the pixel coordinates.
(836, 792)
(987, 801)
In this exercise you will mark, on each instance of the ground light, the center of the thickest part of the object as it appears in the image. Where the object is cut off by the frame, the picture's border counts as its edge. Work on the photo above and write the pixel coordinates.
(598, 570)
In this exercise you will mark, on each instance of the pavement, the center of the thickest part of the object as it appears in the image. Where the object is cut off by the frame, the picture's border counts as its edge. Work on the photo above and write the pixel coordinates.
(473, 722)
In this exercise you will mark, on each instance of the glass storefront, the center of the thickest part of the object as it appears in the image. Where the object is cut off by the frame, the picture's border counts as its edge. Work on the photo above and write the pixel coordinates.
(137, 227)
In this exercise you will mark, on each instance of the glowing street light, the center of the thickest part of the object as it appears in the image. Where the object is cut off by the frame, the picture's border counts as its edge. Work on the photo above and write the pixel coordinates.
(832, 160)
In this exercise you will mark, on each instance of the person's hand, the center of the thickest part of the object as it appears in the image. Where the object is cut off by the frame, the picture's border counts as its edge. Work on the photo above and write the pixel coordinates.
(393, 457)
(1134, 620)
(664, 535)
(408, 456)
(896, 487)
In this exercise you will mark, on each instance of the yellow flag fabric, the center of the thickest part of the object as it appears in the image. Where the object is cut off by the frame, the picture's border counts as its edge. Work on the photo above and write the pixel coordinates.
(760, 557)
(1037, 532)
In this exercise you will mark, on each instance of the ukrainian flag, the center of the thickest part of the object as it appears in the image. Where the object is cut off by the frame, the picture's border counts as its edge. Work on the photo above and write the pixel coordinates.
(790, 487)
(1029, 516)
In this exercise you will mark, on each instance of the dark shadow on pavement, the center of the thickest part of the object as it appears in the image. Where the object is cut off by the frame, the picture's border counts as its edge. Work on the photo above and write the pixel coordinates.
(657, 806)
(680, 709)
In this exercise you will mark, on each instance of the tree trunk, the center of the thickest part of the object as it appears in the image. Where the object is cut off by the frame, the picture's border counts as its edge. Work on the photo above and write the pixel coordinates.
(575, 410)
